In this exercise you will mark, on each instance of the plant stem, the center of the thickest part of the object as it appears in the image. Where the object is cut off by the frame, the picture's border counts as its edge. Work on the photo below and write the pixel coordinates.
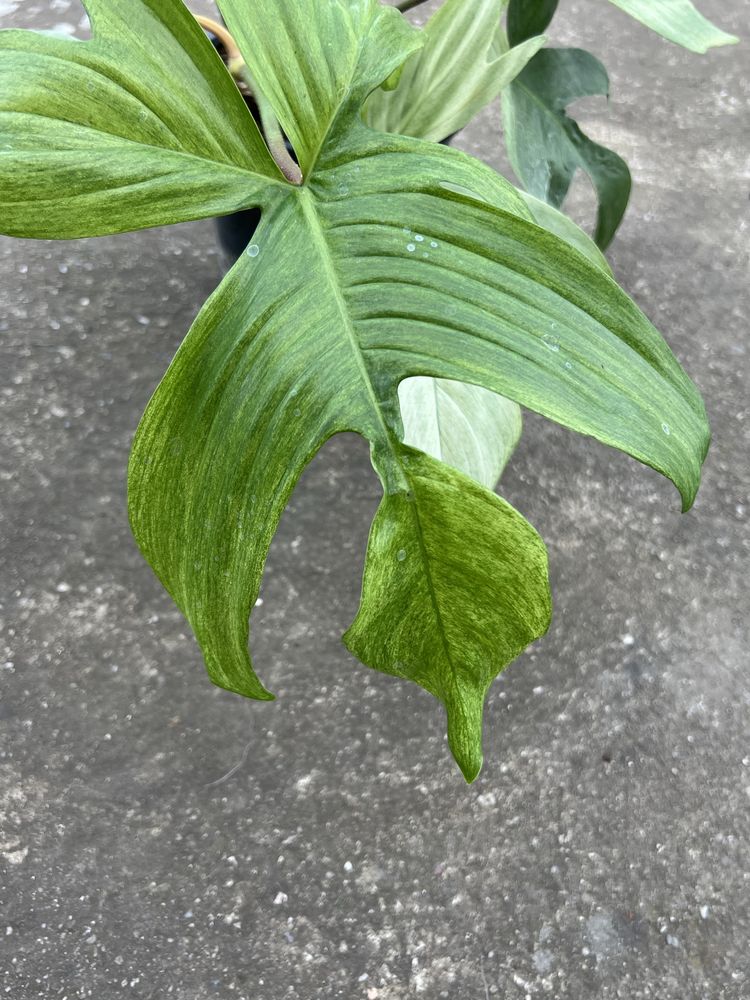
(272, 130)
(231, 47)
(269, 123)
(404, 5)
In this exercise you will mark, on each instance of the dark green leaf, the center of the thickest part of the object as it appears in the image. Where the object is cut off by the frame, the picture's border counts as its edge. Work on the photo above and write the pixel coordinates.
(546, 146)
(527, 18)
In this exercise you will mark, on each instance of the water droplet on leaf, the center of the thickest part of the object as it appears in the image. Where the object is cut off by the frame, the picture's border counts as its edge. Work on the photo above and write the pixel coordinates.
(253, 250)
(410, 247)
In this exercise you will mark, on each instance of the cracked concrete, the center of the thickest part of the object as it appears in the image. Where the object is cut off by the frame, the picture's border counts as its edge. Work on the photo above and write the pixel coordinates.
(602, 854)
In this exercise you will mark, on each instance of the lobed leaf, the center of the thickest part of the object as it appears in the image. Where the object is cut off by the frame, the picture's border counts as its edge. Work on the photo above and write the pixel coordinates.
(140, 126)
(396, 259)
(313, 334)
(546, 147)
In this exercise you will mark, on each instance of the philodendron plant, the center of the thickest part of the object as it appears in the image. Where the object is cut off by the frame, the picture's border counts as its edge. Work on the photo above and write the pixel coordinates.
(395, 287)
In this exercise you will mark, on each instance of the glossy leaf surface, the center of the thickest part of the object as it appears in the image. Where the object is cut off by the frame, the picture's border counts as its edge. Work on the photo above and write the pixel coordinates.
(396, 259)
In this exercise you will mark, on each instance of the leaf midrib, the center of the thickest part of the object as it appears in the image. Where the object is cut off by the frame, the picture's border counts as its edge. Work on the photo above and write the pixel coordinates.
(431, 588)
(309, 209)
(161, 150)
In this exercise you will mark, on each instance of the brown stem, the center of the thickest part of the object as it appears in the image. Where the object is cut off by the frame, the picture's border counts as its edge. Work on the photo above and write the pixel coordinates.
(241, 73)
(272, 131)
(231, 47)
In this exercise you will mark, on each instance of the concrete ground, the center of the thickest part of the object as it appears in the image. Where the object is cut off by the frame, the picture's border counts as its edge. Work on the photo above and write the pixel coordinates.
(160, 837)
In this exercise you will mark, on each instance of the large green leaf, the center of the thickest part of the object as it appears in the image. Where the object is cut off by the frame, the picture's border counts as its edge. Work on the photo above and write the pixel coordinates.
(679, 21)
(396, 259)
(546, 147)
(459, 45)
(138, 125)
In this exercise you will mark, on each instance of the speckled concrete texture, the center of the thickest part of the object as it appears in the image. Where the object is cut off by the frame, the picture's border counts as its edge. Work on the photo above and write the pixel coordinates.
(160, 837)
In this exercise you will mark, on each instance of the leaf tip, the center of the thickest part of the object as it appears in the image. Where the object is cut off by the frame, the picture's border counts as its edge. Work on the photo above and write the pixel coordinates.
(465, 732)
(249, 686)
(717, 41)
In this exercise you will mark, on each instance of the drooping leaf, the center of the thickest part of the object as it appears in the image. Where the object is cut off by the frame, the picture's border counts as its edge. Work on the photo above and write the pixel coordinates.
(546, 146)
(527, 18)
(430, 102)
(465, 426)
(679, 21)
(397, 258)
(140, 125)
(434, 609)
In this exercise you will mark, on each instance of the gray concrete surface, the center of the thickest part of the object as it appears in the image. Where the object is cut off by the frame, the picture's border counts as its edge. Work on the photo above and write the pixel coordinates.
(159, 837)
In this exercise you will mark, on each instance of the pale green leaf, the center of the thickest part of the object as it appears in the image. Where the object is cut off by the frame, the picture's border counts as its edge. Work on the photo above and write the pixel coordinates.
(459, 45)
(140, 126)
(679, 21)
(465, 426)
(307, 56)
(546, 147)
